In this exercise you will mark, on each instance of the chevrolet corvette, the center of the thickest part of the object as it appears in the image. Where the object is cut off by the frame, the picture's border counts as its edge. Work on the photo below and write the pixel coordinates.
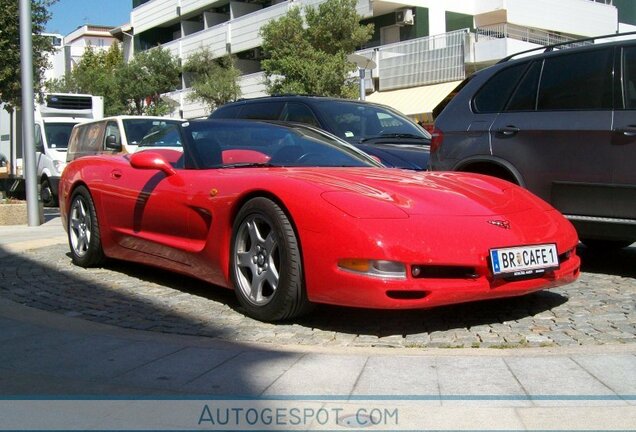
(289, 216)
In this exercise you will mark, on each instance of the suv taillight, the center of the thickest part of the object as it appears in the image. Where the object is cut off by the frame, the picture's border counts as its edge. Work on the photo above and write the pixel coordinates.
(437, 136)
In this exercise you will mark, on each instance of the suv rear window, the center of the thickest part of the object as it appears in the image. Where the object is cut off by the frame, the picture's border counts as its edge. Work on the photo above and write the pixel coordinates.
(493, 95)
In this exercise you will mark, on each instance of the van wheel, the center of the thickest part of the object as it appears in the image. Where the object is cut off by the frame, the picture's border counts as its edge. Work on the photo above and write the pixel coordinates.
(83, 230)
(46, 192)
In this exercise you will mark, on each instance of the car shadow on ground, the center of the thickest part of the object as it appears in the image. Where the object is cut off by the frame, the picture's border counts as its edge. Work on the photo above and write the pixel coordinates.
(366, 321)
(619, 262)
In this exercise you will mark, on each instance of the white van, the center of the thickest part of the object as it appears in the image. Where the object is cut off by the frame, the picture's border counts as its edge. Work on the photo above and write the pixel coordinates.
(123, 134)
(54, 121)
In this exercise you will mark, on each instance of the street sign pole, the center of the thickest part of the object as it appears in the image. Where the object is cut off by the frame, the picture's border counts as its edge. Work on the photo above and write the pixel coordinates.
(28, 108)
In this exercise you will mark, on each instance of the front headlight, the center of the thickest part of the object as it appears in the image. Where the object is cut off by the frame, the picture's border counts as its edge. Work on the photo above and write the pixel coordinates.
(374, 268)
(59, 166)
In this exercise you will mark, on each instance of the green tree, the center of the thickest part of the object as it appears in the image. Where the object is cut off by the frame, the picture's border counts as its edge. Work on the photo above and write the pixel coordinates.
(127, 88)
(308, 54)
(149, 74)
(10, 86)
(214, 80)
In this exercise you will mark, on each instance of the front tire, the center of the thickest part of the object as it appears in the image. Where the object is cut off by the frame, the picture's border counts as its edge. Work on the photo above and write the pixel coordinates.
(266, 263)
(83, 230)
(46, 192)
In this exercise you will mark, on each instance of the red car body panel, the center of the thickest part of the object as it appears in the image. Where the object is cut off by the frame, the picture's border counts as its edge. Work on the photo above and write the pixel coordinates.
(184, 222)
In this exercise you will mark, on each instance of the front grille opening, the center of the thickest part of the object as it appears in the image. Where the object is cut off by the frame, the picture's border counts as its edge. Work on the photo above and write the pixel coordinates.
(443, 272)
(406, 295)
(565, 256)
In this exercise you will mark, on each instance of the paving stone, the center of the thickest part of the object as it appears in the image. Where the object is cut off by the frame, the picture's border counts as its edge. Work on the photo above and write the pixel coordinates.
(597, 309)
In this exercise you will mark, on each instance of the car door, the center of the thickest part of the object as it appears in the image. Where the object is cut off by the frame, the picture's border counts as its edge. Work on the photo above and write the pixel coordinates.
(148, 210)
(555, 130)
(624, 139)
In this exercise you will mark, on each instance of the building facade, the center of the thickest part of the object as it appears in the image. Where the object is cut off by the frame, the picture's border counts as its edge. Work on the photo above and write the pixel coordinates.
(421, 48)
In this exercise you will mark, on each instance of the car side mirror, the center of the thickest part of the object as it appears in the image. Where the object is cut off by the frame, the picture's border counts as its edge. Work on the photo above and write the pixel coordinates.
(151, 160)
(112, 144)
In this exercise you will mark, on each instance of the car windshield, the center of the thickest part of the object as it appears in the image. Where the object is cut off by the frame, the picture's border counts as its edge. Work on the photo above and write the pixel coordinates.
(138, 129)
(237, 143)
(358, 122)
(57, 134)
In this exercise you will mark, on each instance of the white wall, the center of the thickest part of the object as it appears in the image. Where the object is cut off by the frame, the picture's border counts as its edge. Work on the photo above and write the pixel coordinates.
(579, 17)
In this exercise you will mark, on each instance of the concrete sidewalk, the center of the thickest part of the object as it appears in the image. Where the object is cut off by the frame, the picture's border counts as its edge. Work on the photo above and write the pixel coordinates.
(16, 238)
(46, 355)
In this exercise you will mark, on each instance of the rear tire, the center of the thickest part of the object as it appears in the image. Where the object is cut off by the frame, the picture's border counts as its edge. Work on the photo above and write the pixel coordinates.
(266, 263)
(83, 230)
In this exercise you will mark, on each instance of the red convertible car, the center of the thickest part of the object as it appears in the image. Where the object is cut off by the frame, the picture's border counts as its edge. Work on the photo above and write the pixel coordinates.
(288, 216)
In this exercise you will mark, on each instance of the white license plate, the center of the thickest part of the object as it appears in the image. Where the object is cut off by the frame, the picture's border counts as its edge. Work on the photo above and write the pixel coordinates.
(524, 260)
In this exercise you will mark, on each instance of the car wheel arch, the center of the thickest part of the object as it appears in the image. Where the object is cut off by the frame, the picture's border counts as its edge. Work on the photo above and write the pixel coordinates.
(494, 167)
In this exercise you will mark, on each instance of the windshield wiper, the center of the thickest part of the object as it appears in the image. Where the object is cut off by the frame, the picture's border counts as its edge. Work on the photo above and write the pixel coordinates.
(394, 135)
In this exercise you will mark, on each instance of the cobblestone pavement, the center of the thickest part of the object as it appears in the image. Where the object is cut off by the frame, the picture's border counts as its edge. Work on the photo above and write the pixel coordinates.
(598, 309)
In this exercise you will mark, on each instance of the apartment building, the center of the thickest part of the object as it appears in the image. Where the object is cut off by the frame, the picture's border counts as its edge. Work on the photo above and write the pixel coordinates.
(421, 48)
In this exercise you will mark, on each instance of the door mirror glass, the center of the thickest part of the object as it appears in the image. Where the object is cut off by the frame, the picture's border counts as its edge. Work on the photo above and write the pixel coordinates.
(112, 144)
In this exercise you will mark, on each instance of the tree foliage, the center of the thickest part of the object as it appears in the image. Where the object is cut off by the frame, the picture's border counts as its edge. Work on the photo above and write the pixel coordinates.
(214, 80)
(127, 88)
(149, 74)
(10, 85)
(95, 73)
(307, 53)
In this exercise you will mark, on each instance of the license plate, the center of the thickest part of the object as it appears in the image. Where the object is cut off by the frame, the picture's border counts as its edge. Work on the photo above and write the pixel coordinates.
(524, 260)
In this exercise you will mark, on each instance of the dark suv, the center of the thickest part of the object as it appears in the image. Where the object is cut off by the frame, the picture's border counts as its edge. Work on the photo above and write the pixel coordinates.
(375, 129)
(561, 123)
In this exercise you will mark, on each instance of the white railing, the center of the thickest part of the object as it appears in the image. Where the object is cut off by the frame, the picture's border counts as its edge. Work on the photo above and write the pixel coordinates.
(526, 34)
(422, 61)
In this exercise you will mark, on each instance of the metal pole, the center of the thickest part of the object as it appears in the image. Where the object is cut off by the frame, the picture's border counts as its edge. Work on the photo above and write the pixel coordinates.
(363, 91)
(28, 128)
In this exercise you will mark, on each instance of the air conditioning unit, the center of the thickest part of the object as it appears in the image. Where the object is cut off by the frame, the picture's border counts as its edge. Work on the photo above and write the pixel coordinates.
(404, 17)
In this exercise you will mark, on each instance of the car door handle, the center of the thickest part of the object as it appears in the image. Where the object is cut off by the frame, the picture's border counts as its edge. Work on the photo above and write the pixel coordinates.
(508, 130)
(116, 174)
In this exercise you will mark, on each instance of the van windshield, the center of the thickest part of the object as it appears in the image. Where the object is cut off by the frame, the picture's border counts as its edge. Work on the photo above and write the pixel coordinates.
(137, 129)
(57, 135)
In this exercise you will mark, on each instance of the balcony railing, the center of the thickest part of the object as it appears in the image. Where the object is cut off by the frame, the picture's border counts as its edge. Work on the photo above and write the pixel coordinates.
(422, 61)
(526, 34)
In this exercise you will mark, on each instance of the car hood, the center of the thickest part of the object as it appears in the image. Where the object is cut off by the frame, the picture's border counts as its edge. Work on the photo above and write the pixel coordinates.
(356, 190)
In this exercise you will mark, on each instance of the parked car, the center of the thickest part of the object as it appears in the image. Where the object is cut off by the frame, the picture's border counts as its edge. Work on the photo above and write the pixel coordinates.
(288, 215)
(561, 123)
(121, 134)
(376, 129)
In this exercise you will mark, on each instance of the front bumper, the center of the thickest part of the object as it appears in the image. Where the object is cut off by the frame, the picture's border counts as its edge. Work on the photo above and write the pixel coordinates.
(446, 242)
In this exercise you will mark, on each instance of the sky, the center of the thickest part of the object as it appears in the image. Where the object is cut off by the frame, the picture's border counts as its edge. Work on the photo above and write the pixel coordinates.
(70, 14)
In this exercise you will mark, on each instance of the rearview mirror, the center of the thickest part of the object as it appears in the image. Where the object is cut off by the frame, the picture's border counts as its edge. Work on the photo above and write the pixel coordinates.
(151, 160)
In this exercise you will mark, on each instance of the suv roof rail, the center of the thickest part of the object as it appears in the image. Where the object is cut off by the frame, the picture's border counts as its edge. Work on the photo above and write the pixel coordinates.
(549, 48)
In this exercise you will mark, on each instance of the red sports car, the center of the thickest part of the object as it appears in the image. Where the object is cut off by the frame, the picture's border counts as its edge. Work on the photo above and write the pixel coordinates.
(288, 216)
